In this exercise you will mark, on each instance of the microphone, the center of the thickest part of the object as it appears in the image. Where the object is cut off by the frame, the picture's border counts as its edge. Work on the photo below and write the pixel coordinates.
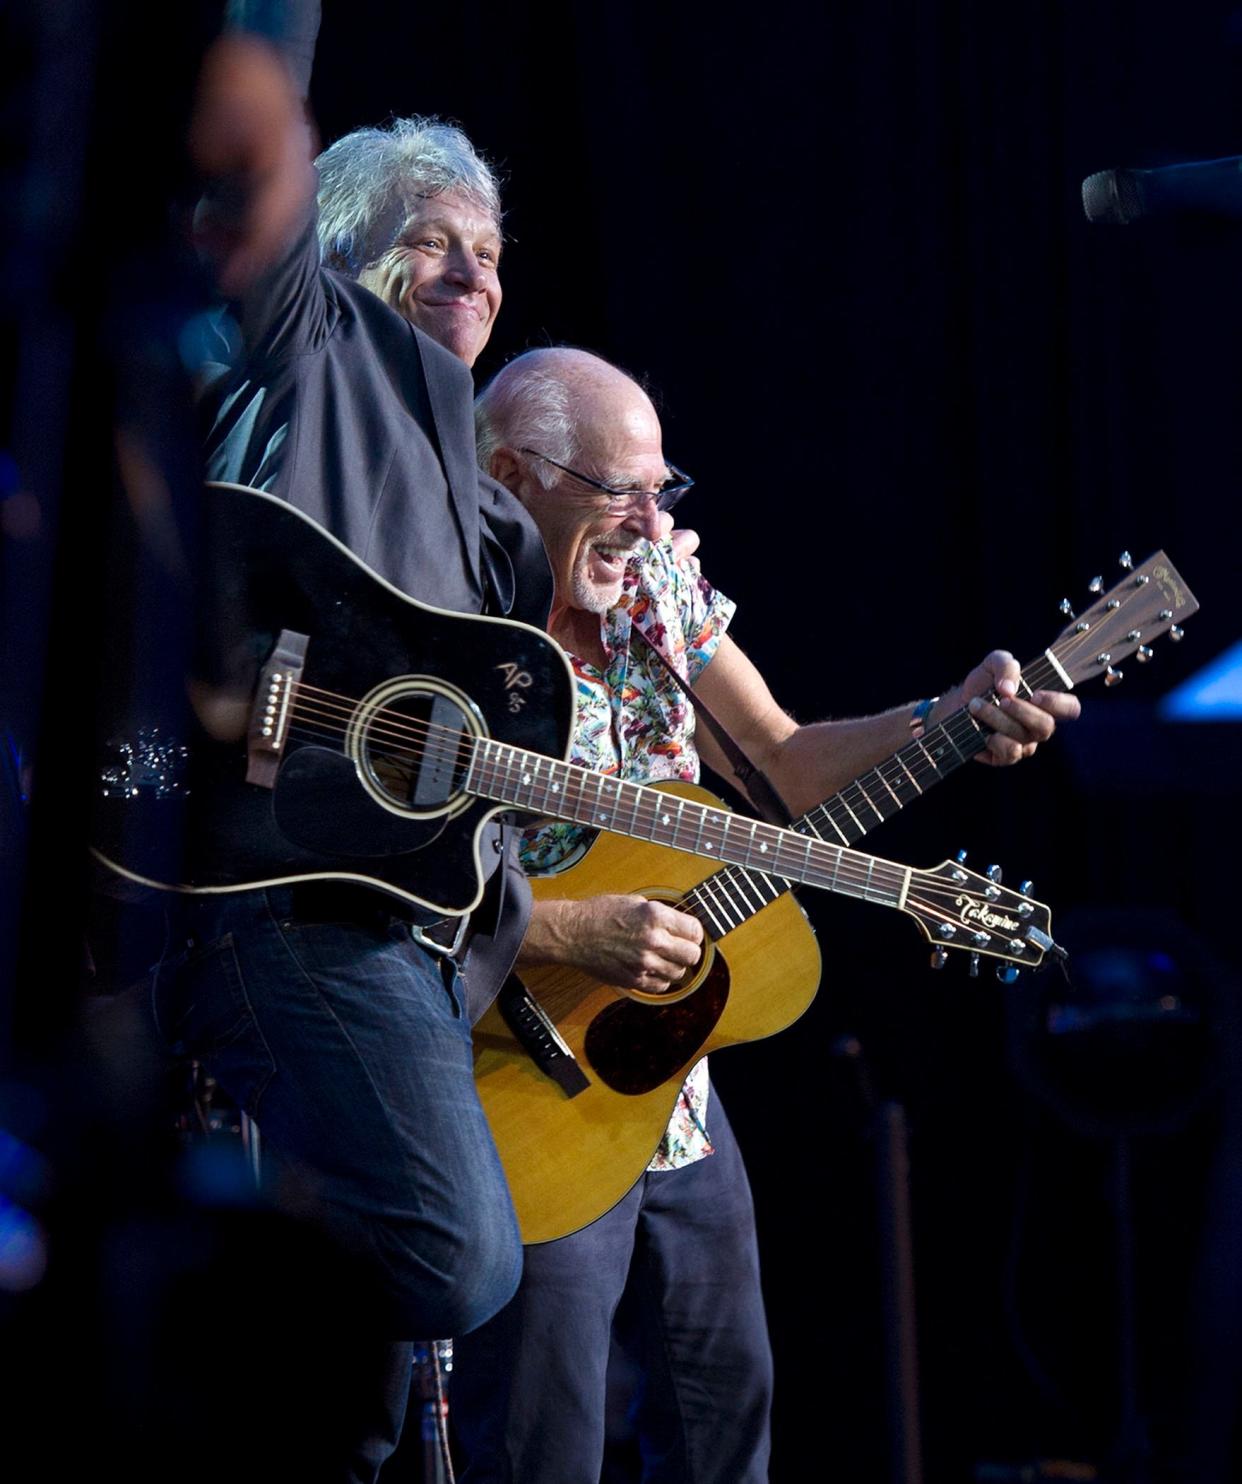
(1203, 188)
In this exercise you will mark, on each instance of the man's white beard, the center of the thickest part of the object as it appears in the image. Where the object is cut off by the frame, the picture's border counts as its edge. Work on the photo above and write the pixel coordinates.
(588, 595)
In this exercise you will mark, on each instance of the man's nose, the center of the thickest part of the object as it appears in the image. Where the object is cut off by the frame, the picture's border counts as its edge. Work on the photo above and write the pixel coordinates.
(645, 519)
(463, 268)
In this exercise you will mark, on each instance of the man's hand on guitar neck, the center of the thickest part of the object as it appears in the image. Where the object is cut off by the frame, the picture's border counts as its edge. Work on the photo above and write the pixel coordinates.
(623, 940)
(1018, 726)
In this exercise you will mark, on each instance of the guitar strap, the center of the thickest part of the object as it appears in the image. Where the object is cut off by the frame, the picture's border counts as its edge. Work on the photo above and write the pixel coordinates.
(757, 784)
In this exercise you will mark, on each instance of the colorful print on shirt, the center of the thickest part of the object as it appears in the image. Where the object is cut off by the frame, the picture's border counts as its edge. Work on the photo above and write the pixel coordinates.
(635, 723)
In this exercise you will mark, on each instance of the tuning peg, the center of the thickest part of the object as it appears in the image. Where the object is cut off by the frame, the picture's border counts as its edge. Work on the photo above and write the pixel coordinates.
(994, 873)
(1143, 653)
(1007, 973)
(1113, 677)
(959, 858)
(1026, 887)
(973, 970)
(939, 958)
(1096, 585)
(1066, 607)
(1177, 633)
(1126, 561)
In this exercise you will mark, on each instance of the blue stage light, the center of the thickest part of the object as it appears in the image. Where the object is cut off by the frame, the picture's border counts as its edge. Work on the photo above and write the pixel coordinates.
(1212, 694)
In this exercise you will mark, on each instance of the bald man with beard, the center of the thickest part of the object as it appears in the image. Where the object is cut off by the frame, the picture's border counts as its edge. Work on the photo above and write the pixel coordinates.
(672, 1272)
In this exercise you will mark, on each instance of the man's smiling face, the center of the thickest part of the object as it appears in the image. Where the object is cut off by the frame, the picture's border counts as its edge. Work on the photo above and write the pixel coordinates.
(586, 545)
(443, 272)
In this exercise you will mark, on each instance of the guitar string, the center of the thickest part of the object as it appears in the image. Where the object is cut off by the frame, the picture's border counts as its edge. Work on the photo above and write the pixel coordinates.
(398, 731)
(891, 873)
(394, 723)
(930, 909)
(825, 809)
(851, 860)
(1062, 648)
(852, 874)
(330, 710)
(869, 874)
(456, 746)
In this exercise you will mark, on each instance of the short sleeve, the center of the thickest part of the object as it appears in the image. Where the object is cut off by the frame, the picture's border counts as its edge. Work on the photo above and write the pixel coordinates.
(677, 609)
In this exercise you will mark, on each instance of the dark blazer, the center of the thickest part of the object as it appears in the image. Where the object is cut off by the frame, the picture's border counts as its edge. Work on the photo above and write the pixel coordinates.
(343, 408)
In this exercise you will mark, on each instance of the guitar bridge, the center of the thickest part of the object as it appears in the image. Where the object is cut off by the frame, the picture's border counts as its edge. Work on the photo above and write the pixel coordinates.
(269, 718)
(540, 1039)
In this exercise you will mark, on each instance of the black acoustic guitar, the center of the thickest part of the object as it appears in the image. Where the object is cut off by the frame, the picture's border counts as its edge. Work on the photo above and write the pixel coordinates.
(333, 728)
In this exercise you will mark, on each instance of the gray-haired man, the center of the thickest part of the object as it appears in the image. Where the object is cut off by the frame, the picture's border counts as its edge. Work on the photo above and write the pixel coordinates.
(314, 1007)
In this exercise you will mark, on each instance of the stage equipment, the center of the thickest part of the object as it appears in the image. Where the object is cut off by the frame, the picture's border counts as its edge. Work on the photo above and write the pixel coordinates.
(1202, 188)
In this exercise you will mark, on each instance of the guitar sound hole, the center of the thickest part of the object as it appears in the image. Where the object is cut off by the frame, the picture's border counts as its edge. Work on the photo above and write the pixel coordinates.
(417, 749)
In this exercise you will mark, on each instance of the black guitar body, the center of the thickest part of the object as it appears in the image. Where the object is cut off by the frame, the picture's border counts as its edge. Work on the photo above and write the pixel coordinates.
(372, 703)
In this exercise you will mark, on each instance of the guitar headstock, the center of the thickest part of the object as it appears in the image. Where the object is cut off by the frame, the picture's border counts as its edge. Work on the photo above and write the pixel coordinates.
(1150, 601)
(959, 909)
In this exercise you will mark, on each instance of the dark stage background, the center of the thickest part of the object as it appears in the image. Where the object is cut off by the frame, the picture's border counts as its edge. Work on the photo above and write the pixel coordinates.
(925, 400)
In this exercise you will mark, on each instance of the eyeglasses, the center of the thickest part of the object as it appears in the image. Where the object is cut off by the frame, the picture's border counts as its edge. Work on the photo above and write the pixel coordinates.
(626, 502)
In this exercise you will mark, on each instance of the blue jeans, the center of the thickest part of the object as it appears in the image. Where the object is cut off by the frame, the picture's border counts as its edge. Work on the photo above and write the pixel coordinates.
(348, 1045)
(670, 1274)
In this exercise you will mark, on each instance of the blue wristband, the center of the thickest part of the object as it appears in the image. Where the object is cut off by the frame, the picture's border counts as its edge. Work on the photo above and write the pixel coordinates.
(918, 717)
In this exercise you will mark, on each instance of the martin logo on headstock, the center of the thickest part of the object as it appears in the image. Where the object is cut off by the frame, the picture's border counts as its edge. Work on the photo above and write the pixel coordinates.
(1153, 601)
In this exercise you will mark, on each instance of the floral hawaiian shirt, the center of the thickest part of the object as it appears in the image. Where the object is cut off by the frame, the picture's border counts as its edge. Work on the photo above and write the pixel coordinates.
(634, 723)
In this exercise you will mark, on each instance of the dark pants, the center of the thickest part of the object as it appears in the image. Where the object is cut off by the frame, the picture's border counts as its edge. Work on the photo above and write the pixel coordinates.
(348, 1045)
(673, 1272)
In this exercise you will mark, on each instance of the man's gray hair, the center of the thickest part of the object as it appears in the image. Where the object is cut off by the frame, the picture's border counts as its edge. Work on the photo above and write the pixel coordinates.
(525, 406)
(369, 180)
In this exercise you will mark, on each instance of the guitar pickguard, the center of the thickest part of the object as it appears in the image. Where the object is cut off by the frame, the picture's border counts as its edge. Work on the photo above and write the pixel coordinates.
(634, 1047)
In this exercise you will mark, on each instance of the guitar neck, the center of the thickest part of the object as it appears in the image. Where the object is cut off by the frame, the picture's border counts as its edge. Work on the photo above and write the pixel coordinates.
(559, 790)
(885, 789)
(732, 896)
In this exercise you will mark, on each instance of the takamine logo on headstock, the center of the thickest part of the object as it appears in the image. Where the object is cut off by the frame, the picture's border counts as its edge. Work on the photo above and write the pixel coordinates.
(973, 910)
(958, 909)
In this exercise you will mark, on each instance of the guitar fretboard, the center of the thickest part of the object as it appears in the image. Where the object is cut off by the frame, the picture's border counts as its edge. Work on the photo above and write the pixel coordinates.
(878, 794)
(560, 790)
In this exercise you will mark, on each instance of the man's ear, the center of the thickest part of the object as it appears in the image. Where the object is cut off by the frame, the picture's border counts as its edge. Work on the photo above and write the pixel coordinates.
(506, 469)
